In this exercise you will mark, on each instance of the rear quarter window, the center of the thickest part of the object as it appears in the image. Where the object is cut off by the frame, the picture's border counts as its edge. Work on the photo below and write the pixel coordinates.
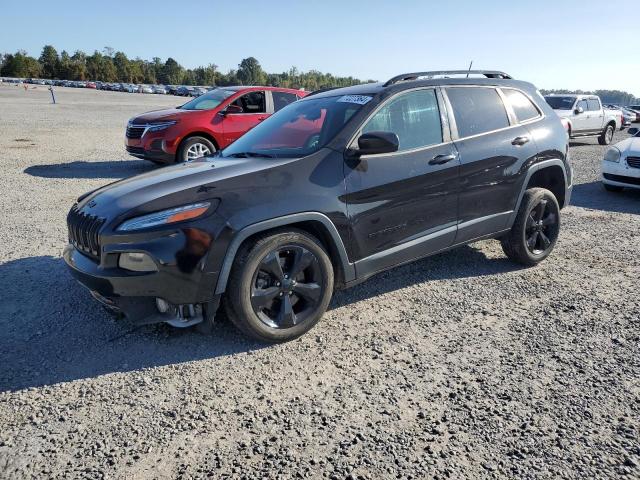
(522, 106)
(477, 110)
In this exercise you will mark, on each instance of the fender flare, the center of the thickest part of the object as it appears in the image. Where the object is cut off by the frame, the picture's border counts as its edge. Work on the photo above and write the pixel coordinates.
(347, 267)
(536, 168)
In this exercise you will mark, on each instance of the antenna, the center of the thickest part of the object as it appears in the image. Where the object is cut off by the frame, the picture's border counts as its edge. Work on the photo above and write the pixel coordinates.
(470, 65)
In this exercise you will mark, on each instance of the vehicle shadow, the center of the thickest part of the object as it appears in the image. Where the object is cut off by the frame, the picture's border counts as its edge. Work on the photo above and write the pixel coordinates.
(89, 169)
(463, 262)
(593, 195)
(53, 330)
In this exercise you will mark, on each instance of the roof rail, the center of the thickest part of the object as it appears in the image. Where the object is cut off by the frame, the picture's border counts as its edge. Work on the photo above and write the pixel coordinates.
(414, 76)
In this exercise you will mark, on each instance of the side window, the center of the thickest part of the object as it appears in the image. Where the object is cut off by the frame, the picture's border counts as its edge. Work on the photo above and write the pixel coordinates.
(252, 102)
(583, 104)
(477, 110)
(522, 106)
(594, 104)
(413, 116)
(282, 99)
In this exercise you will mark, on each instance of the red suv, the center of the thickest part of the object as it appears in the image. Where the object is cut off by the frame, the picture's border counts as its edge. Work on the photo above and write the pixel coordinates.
(205, 124)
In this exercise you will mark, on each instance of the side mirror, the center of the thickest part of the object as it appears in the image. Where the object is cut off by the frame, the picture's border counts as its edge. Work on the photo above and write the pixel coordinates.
(372, 143)
(633, 131)
(232, 109)
(579, 110)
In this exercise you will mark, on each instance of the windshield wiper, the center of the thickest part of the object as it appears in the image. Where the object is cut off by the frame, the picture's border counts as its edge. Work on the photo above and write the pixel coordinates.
(251, 154)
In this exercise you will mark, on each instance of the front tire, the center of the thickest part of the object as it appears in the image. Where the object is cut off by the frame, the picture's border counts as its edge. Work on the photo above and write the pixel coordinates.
(280, 286)
(606, 137)
(194, 147)
(535, 231)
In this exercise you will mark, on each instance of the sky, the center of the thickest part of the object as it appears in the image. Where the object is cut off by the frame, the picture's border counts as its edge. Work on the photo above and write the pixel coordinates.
(553, 44)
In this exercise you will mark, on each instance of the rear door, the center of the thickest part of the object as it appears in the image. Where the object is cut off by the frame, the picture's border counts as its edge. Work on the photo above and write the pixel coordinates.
(282, 99)
(254, 107)
(595, 115)
(403, 205)
(493, 147)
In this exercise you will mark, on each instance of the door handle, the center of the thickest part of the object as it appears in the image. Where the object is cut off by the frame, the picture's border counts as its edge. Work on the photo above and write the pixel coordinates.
(442, 159)
(519, 141)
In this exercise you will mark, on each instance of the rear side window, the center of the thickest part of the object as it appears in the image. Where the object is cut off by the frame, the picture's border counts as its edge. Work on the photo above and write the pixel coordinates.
(413, 116)
(522, 106)
(477, 110)
(282, 99)
(594, 105)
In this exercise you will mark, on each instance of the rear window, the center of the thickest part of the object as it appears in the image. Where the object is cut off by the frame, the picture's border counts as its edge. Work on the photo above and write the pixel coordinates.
(477, 110)
(522, 106)
(282, 99)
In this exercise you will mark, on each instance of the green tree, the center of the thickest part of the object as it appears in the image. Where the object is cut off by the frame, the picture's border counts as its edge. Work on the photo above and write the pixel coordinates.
(21, 65)
(171, 72)
(250, 72)
(49, 62)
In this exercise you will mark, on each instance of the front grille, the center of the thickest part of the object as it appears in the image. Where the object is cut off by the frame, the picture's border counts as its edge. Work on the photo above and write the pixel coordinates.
(633, 162)
(622, 179)
(135, 131)
(83, 231)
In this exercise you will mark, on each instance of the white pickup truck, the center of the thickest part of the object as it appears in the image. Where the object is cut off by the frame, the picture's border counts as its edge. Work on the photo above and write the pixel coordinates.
(585, 116)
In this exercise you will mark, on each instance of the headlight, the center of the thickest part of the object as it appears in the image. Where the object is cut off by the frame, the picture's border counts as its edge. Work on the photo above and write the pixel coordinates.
(172, 215)
(156, 127)
(612, 155)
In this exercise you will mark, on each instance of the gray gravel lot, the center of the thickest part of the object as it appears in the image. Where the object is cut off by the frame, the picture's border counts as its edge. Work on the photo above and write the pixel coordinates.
(463, 365)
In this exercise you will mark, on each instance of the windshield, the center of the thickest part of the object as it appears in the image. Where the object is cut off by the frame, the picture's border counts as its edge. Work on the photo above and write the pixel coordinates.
(560, 103)
(299, 129)
(209, 100)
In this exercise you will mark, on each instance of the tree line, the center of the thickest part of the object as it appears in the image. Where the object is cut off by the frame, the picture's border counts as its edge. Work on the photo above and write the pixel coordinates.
(112, 66)
(615, 97)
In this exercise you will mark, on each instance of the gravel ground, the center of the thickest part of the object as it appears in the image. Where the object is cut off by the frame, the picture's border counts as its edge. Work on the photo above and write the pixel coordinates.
(463, 365)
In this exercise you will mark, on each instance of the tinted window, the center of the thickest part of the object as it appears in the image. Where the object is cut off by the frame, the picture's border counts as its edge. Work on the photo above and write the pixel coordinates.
(560, 103)
(413, 116)
(522, 106)
(594, 105)
(477, 110)
(252, 102)
(282, 99)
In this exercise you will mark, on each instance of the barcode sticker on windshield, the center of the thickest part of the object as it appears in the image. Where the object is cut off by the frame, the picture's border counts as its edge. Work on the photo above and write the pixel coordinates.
(359, 99)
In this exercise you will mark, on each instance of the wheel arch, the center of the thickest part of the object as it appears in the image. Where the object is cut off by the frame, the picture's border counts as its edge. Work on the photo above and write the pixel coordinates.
(198, 133)
(550, 174)
(314, 223)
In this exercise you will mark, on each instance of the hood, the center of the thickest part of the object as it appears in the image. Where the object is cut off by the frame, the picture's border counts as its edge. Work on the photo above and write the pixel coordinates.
(172, 186)
(159, 115)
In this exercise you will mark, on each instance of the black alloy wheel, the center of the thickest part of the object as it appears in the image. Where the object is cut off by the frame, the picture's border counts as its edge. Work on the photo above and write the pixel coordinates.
(542, 227)
(287, 287)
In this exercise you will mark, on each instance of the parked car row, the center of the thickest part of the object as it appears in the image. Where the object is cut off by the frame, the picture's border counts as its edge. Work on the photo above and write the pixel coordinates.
(179, 90)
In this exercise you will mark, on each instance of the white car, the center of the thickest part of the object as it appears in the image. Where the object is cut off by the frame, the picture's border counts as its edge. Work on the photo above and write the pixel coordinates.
(621, 164)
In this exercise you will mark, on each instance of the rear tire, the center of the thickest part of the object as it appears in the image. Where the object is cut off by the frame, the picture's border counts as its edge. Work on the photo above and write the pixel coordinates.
(194, 147)
(280, 286)
(606, 136)
(535, 231)
(612, 188)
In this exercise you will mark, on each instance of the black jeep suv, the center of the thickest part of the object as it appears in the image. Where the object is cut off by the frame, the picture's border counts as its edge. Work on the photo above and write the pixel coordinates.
(327, 192)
